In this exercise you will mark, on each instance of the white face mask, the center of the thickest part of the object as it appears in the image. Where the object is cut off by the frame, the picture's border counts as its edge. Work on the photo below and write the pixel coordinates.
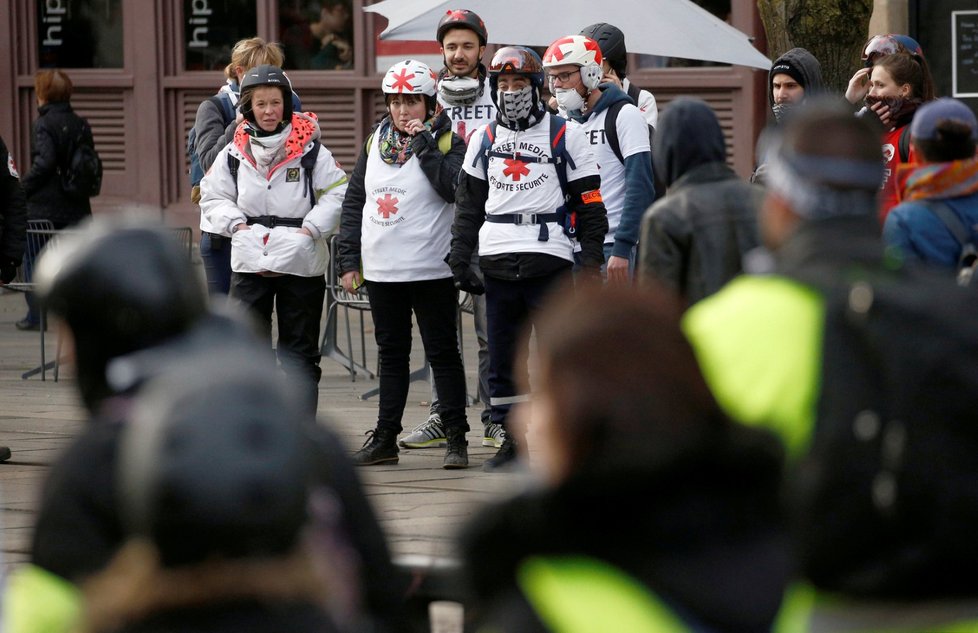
(515, 105)
(569, 99)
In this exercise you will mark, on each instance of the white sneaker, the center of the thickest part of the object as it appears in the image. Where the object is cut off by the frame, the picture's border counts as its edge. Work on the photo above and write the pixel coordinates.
(428, 434)
(493, 436)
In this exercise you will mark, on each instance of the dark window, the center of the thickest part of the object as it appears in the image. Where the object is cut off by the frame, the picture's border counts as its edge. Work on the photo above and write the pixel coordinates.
(316, 35)
(79, 33)
(211, 29)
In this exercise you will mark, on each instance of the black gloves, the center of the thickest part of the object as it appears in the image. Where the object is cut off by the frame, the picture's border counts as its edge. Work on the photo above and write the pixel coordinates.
(466, 279)
(8, 269)
(422, 142)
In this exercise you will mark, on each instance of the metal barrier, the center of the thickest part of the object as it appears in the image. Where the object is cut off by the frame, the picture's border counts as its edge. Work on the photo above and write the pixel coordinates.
(337, 297)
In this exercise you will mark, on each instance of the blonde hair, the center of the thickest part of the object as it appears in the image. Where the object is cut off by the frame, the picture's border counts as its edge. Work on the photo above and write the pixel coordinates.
(52, 86)
(251, 52)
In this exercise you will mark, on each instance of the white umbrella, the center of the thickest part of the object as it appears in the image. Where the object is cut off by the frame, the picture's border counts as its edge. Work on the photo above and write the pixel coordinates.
(671, 28)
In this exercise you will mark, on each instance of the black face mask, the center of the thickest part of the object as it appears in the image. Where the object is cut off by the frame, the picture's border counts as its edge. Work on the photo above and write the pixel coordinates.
(900, 107)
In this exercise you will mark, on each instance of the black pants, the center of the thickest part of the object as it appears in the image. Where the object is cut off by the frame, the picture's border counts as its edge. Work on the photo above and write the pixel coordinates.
(434, 304)
(298, 302)
(510, 308)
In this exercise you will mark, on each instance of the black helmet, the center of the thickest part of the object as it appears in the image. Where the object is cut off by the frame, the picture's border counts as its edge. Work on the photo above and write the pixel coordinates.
(214, 463)
(462, 19)
(266, 75)
(121, 286)
(612, 43)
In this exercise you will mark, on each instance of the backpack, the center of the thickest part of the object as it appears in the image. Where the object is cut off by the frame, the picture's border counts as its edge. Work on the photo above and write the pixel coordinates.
(611, 132)
(968, 258)
(886, 500)
(307, 162)
(81, 177)
(196, 171)
(560, 159)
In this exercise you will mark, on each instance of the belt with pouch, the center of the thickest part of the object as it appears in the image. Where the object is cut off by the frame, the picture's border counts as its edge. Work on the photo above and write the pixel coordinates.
(271, 221)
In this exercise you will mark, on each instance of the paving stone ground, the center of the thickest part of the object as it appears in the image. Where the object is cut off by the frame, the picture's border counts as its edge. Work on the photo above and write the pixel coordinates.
(419, 504)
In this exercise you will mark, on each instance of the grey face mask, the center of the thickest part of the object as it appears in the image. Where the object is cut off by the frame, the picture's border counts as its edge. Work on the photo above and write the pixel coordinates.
(782, 110)
(515, 106)
(459, 91)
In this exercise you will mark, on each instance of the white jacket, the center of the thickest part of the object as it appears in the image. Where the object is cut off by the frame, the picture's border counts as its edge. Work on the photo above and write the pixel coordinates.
(283, 193)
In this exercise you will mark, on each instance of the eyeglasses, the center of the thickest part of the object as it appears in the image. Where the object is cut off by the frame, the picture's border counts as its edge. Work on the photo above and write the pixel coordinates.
(562, 77)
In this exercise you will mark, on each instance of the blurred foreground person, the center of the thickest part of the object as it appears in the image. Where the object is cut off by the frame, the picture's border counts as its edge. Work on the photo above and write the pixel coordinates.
(869, 374)
(125, 329)
(215, 479)
(654, 513)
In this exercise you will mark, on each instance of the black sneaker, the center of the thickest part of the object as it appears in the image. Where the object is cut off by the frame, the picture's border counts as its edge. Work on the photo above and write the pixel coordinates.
(379, 448)
(27, 325)
(4, 453)
(504, 459)
(457, 455)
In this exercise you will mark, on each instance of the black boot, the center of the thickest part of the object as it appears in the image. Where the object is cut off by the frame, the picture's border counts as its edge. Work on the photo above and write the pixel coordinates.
(457, 455)
(380, 448)
(504, 458)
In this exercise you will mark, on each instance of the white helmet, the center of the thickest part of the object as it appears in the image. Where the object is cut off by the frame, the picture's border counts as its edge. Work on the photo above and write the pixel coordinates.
(410, 77)
(578, 50)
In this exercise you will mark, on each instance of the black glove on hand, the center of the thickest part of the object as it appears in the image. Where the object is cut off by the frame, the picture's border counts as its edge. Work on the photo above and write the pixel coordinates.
(422, 142)
(466, 279)
(8, 270)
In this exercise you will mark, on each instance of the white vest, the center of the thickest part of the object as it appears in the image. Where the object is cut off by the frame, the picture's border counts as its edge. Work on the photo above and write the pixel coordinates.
(520, 187)
(406, 225)
(467, 119)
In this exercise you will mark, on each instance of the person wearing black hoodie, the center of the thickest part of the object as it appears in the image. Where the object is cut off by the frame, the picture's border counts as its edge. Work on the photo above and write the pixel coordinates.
(574, 68)
(693, 240)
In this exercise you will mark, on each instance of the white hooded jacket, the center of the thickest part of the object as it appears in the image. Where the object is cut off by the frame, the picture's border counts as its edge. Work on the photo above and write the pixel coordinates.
(282, 193)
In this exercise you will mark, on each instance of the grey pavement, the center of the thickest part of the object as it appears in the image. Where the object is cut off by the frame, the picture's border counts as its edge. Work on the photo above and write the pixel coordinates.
(419, 504)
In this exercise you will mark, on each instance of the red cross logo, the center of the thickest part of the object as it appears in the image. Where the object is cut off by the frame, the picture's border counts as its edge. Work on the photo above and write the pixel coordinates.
(402, 81)
(387, 206)
(457, 15)
(515, 168)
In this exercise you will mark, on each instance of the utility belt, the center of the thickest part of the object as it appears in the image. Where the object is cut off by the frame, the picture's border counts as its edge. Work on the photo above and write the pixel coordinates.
(271, 221)
(528, 218)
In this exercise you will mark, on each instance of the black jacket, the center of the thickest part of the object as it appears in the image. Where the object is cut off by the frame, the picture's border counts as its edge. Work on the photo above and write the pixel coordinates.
(55, 132)
(693, 240)
(703, 534)
(13, 211)
(238, 618)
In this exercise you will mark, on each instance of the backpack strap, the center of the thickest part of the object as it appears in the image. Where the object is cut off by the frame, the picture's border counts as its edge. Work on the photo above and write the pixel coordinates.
(611, 129)
(558, 145)
(962, 234)
(904, 144)
(445, 142)
(634, 92)
(223, 103)
(308, 164)
(233, 164)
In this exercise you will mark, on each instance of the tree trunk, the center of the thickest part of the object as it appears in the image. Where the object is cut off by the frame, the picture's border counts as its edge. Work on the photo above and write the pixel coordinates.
(833, 31)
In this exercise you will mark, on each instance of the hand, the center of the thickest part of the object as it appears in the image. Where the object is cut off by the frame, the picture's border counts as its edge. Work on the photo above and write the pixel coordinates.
(351, 281)
(240, 226)
(883, 112)
(617, 270)
(466, 279)
(414, 126)
(305, 231)
(858, 86)
(611, 77)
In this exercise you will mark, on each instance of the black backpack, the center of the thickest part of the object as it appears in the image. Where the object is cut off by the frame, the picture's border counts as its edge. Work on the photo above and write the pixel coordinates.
(81, 176)
(611, 130)
(886, 500)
